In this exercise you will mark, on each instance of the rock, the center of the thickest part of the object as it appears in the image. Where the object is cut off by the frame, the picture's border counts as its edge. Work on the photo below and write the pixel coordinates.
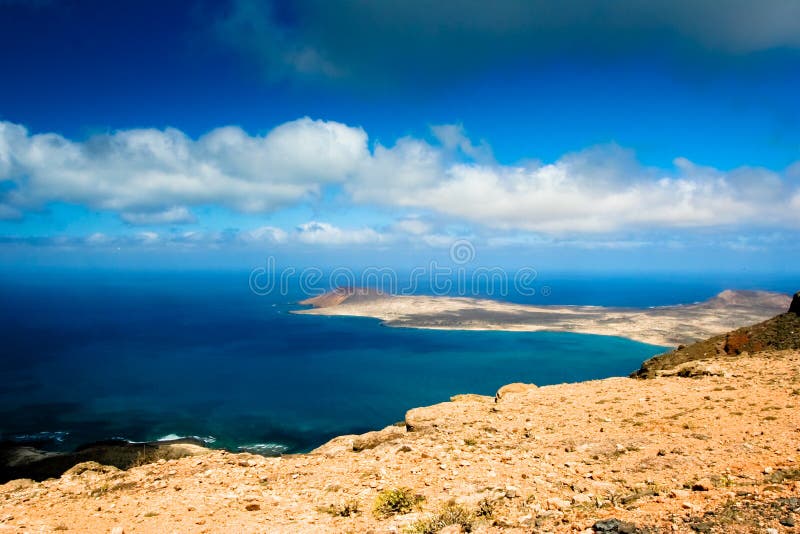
(370, 440)
(336, 446)
(510, 390)
(613, 525)
(794, 307)
(555, 502)
(90, 467)
(704, 484)
(418, 419)
(117, 530)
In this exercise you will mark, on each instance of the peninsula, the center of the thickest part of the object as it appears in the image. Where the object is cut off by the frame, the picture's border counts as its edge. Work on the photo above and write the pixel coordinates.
(664, 325)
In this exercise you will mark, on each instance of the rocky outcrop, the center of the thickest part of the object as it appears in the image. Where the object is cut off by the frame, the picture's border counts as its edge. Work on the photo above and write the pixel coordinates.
(513, 390)
(794, 307)
(26, 462)
(779, 333)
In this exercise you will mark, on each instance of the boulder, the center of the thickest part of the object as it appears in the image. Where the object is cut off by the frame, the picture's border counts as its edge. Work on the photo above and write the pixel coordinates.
(511, 390)
(426, 417)
(370, 440)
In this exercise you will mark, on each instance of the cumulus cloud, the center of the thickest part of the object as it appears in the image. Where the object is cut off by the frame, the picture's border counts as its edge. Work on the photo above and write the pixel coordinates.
(154, 177)
(415, 39)
(322, 233)
(601, 189)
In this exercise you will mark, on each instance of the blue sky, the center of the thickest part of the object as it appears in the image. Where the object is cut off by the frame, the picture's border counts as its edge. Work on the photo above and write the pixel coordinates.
(630, 135)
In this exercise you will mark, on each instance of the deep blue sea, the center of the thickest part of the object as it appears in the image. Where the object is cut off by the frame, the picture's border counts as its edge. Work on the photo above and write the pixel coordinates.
(92, 355)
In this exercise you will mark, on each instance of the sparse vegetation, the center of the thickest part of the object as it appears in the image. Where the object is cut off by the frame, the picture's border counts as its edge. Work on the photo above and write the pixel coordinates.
(347, 508)
(449, 514)
(396, 501)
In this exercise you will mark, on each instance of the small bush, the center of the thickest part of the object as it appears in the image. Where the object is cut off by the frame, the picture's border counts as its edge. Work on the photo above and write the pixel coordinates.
(345, 509)
(396, 501)
(449, 514)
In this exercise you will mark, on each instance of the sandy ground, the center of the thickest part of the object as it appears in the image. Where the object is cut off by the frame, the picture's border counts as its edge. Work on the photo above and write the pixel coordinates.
(713, 453)
(666, 326)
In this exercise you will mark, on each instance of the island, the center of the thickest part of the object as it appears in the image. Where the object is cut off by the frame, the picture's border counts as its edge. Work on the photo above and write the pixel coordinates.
(663, 325)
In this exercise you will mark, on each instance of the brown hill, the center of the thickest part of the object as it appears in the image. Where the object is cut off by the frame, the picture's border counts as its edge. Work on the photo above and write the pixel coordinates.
(779, 333)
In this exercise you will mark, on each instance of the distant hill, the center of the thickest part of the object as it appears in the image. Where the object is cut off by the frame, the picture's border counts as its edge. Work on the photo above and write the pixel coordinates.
(779, 333)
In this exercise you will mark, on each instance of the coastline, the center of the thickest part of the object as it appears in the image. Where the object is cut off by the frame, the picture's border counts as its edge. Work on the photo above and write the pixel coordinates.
(667, 326)
(655, 453)
(704, 444)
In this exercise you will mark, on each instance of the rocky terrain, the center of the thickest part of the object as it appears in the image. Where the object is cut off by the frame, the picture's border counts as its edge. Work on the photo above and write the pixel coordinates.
(706, 445)
(665, 325)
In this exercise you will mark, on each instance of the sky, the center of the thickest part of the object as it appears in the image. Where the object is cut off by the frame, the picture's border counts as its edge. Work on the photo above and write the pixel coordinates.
(614, 135)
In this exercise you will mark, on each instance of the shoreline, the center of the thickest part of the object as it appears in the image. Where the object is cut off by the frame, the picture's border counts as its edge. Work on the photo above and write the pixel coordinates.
(663, 326)
(704, 443)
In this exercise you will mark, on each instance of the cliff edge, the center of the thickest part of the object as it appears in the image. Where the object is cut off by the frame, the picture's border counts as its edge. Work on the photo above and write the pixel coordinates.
(711, 450)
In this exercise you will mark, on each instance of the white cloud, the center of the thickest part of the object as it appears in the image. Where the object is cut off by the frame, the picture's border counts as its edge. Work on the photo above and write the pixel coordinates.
(412, 226)
(602, 189)
(264, 233)
(321, 233)
(155, 177)
(147, 174)
(147, 238)
(176, 215)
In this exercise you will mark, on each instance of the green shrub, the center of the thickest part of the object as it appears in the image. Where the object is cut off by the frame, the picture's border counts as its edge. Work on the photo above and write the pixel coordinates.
(396, 501)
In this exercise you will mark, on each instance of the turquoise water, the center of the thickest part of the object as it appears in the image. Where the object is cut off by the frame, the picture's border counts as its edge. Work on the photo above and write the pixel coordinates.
(155, 356)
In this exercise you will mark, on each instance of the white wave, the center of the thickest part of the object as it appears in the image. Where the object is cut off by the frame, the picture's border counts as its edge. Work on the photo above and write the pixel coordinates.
(208, 440)
(264, 449)
(57, 436)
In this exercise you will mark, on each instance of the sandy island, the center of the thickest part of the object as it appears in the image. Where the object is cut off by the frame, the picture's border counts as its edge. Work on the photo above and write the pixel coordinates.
(665, 325)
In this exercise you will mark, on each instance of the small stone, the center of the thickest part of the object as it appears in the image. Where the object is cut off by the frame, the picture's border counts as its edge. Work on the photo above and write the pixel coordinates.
(252, 507)
(555, 502)
(703, 484)
(772, 531)
(117, 530)
(767, 470)
(614, 525)
(511, 492)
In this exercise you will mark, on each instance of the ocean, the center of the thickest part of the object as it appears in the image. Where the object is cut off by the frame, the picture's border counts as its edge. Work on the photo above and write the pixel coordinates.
(91, 355)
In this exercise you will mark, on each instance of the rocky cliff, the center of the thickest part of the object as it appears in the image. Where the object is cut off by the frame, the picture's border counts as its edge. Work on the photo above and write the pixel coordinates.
(705, 445)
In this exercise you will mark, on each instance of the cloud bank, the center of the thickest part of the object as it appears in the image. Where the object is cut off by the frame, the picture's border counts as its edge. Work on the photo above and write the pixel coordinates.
(156, 177)
(415, 40)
